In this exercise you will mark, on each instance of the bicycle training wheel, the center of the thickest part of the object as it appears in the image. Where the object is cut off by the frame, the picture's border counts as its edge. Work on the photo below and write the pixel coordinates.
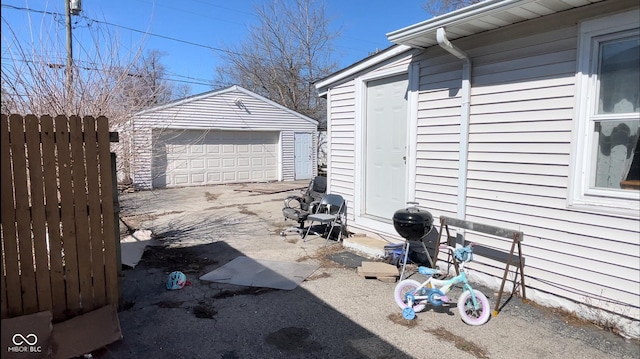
(403, 290)
(468, 313)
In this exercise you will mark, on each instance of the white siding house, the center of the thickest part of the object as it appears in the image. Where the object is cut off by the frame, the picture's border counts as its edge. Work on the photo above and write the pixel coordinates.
(226, 136)
(518, 114)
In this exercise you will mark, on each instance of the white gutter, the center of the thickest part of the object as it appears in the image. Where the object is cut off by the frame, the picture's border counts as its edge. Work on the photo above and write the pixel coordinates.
(465, 95)
(461, 16)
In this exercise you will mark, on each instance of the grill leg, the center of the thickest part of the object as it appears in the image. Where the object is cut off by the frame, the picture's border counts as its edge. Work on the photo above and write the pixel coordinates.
(404, 261)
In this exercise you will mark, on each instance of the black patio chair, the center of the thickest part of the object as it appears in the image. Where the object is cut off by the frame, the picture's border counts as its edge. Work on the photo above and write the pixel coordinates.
(298, 208)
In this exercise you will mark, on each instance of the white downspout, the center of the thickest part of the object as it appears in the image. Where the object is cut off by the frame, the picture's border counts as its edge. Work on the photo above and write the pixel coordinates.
(465, 95)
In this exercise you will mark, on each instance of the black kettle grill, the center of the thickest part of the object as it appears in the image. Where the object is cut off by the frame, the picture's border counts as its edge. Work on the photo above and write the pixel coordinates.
(413, 224)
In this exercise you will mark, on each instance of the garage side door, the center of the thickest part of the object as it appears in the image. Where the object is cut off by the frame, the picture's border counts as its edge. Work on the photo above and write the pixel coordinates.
(198, 157)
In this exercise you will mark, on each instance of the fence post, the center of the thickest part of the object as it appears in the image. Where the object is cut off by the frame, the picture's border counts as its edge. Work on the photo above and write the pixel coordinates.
(116, 218)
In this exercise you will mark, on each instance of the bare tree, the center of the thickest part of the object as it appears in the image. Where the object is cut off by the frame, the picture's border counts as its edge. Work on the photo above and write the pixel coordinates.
(439, 7)
(145, 84)
(284, 54)
(106, 81)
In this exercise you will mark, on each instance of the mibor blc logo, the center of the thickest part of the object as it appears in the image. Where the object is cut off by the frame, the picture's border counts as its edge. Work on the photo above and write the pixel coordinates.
(25, 344)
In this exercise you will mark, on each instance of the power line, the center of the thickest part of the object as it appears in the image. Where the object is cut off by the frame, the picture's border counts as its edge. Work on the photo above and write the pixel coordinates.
(88, 19)
(194, 80)
(140, 31)
(126, 28)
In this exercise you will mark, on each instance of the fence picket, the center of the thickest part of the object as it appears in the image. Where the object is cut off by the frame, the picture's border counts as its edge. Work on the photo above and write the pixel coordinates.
(52, 208)
(70, 258)
(108, 211)
(95, 213)
(13, 289)
(83, 237)
(23, 217)
(38, 216)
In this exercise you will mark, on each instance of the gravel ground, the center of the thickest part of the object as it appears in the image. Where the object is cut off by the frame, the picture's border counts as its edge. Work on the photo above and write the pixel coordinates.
(334, 313)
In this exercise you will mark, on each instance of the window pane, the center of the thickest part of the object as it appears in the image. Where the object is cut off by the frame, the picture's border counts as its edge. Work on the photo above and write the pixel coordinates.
(619, 73)
(617, 154)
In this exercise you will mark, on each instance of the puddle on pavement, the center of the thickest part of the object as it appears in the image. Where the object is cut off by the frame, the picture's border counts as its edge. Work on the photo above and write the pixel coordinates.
(170, 259)
(293, 339)
(243, 291)
(204, 310)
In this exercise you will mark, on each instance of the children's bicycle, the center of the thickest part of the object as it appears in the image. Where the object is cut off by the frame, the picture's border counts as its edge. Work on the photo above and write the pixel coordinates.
(413, 296)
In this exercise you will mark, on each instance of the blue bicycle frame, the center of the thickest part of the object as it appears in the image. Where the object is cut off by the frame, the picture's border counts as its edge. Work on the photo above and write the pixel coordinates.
(439, 288)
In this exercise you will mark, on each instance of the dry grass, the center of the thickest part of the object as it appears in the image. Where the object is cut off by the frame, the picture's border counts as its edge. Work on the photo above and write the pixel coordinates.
(575, 320)
(318, 276)
(134, 222)
(460, 342)
(322, 254)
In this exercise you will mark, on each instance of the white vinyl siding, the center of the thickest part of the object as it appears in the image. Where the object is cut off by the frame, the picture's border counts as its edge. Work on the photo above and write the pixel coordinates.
(438, 133)
(520, 162)
(218, 111)
(520, 148)
(341, 134)
(288, 149)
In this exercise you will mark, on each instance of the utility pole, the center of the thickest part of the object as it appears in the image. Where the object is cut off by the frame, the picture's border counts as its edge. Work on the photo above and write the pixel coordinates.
(71, 7)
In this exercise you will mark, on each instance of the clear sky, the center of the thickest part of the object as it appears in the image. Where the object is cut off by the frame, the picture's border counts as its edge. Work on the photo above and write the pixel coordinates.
(187, 32)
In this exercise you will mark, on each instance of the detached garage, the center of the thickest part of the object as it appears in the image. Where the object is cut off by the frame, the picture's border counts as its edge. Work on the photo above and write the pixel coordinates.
(226, 136)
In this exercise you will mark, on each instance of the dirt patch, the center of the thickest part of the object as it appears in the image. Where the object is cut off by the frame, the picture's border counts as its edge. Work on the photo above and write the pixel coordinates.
(229, 206)
(291, 239)
(243, 210)
(399, 319)
(321, 256)
(204, 310)
(171, 259)
(126, 305)
(460, 342)
(318, 276)
(244, 291)
(573, 319)
(210, 197)
(132, 223)
(169, 304)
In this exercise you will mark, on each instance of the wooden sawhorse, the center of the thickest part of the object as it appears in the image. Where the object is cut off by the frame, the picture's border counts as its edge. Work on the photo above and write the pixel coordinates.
(515, 236)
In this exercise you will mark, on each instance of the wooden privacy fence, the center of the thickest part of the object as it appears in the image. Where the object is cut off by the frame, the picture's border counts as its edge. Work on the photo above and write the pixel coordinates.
(59, 250)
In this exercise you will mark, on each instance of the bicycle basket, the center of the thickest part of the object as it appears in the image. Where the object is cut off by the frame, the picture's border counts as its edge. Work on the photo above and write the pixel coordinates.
(464, 254)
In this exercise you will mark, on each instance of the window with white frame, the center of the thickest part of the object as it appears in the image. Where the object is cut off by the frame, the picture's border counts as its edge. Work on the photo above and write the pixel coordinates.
(608, 114)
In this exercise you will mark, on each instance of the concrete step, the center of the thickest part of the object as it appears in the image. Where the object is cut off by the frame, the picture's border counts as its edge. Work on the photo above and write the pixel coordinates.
(371, 247)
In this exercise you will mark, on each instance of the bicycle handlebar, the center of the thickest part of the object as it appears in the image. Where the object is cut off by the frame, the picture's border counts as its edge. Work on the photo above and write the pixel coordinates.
(445, 247)
(469, 250)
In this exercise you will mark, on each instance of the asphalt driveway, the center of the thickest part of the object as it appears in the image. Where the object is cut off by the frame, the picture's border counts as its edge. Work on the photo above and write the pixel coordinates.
(334, 313)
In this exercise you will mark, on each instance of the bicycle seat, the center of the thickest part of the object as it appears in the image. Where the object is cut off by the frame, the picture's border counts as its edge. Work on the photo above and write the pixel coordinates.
(427, 271)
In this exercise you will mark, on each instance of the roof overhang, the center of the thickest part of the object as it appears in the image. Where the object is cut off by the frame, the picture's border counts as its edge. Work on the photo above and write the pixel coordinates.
(480, 17)
(323, 84)
(483, 16)
(221, 91)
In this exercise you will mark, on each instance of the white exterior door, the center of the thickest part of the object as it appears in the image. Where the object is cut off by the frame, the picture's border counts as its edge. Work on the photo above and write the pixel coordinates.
(201, 157)
(303, 156)
(385, 154)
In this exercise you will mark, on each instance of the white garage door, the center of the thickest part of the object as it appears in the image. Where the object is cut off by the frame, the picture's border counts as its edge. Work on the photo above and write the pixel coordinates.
(196, 157)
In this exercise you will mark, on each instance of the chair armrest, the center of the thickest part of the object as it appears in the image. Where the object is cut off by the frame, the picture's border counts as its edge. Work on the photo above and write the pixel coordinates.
(313, 206)
(296, 199)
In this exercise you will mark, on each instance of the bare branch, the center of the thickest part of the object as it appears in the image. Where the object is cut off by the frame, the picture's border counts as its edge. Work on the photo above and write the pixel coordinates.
(284, 54)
